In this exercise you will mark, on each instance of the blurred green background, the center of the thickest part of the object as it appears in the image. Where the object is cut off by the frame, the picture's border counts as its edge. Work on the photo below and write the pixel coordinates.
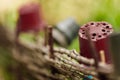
(57, 10)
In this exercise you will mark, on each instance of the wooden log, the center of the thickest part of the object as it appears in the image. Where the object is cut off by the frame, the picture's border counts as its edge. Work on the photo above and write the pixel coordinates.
(115, 52)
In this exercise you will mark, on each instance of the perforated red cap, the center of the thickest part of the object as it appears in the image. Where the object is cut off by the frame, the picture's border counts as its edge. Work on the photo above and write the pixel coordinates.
(97, 30)
(99, 34)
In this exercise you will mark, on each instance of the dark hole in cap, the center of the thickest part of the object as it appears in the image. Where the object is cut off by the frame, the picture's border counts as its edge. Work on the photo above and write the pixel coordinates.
(107, 26)
(105, 34)
(92, 23)
(104, 23)
(99, 36)
(93, 38)
(86, 25)
(103, 30)
(108, 31)
(83, 33)
(97, 24)
(83, 30)
(94, 34)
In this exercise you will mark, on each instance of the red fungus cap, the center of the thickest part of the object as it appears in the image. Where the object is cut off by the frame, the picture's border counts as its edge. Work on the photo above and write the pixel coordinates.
(30, 18)
(99, 34)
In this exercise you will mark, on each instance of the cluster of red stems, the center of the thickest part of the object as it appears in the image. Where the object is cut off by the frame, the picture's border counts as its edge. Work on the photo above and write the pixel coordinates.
(31, 19)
